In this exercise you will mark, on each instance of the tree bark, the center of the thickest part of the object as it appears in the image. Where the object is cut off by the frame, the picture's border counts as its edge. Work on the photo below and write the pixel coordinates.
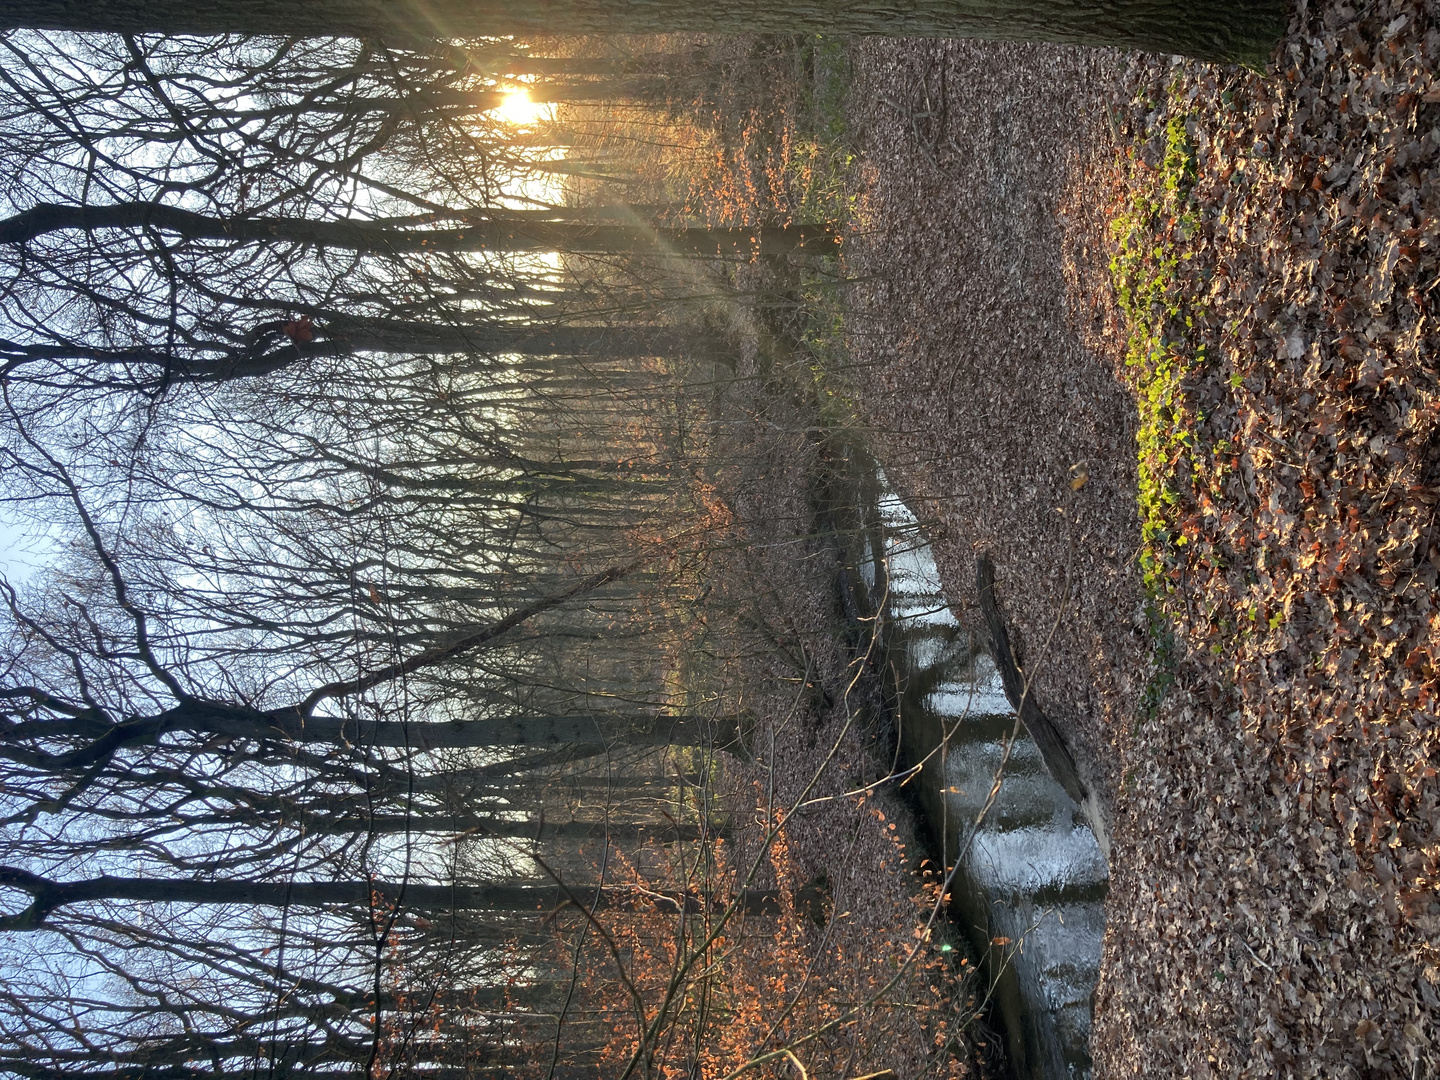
(347, 336)
(47, 896)
(1243, 31)
(469, 102)
(660, 64)
(535, 829)
(289, 725)
(384, 238)
(1020, 692)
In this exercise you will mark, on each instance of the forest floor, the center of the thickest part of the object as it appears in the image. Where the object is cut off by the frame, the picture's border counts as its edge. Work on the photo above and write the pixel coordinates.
(1062, 256)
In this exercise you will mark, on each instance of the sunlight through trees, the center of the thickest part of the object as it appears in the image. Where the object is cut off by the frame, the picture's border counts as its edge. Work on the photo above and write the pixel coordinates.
(385, 707)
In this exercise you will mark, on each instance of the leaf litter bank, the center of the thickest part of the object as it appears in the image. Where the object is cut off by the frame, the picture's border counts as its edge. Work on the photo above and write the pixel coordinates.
(1049, 238)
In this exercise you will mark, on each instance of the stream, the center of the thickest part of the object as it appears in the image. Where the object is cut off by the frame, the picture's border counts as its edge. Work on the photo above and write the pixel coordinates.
(1031, 889)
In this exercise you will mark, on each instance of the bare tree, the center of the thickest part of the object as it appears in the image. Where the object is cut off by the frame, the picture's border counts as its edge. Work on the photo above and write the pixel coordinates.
(1211, 31)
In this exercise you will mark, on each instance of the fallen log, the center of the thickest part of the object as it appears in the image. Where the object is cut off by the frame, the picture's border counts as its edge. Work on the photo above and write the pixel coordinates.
(1019, 691)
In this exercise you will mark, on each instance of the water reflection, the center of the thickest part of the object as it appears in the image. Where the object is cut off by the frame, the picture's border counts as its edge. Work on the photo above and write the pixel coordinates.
(1032, 885)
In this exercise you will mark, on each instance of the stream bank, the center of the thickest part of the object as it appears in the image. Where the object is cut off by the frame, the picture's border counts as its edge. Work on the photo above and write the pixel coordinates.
(1029, 891)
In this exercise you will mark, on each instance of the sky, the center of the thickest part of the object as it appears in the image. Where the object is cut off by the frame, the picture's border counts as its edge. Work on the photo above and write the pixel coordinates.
(24, 549)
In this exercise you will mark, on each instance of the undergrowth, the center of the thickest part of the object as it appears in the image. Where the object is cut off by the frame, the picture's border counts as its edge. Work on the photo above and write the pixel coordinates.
(676, 996)
(823, 191)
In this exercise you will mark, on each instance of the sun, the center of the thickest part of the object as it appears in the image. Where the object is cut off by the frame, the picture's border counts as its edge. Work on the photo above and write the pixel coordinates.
(519, 111)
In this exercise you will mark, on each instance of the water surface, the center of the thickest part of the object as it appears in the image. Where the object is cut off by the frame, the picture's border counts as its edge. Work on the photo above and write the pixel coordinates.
(1031, 888)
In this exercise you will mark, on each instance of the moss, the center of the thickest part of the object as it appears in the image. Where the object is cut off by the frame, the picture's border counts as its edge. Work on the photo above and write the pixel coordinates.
(1148, 272)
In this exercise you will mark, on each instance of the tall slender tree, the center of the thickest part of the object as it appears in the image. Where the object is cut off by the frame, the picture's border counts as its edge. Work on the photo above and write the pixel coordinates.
(1232, 30)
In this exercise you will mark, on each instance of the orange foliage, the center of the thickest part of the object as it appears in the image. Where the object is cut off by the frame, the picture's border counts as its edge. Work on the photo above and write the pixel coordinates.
(719, 988)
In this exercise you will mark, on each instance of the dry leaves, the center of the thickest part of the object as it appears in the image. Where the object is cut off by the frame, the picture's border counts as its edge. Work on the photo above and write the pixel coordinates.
(1302, 567)
(1273, 908)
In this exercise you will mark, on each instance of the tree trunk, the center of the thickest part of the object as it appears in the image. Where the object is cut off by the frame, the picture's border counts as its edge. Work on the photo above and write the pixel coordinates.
(1020, 693)
(563, 67)
(1233, 30)
(385, 239)
(47, 896)
(340, 337)
(289, 725)
(620, 833)
(470, 102)
(388, 335)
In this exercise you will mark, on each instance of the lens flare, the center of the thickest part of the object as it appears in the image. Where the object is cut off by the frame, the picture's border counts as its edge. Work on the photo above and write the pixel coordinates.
(519, 111)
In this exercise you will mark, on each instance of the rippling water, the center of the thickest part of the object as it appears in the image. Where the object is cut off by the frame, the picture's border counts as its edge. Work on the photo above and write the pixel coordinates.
(1032, 871)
